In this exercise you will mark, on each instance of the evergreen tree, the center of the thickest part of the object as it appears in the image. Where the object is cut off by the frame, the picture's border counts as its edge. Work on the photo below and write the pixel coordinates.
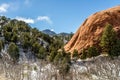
(25, 40)
(52, 55)
(83, 54)
(14, 38)
(41, 53)
(57, 59)
(8, 36)
(13, 51)
(64, 67)
(115, 49)
(108, 39)
(109, 43)
(75, 54)
(36, 47)
(92, 52)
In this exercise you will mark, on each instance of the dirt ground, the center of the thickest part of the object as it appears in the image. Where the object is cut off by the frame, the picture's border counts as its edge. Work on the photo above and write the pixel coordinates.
(2, 77)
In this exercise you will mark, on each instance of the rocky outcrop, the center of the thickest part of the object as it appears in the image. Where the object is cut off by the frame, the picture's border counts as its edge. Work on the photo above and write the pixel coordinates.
(91, 30)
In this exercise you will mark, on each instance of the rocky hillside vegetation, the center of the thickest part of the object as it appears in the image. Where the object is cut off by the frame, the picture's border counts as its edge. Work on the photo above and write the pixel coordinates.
(20, 44)
(93, 53)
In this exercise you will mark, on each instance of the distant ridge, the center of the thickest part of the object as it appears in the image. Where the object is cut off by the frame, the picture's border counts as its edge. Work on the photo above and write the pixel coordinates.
(49, 32)
(52, 33)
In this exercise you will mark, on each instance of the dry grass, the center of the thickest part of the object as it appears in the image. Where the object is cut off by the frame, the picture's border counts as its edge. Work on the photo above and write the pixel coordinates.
(2, 77)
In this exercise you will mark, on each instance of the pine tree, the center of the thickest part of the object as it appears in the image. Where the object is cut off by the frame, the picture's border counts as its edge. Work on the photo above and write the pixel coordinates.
(75, 54)
(14, 38)
(52, 55)
(92, 52)
(108, 39)
(13, 51)
(36, 47)
(115, 49)
(41, 53)
(83, 54)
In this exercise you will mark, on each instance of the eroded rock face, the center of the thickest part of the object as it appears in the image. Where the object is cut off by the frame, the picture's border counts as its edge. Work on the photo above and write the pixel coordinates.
(91, 30)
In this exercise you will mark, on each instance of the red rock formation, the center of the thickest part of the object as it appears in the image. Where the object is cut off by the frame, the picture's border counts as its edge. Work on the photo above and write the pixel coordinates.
(91, 30)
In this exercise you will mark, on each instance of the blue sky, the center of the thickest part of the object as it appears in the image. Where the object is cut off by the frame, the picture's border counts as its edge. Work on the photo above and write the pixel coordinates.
(57, 15)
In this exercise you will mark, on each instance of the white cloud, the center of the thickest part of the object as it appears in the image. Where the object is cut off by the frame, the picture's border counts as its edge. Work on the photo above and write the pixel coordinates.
(44, 18)
(27, 20)
(32, 21)
(52, 29)
(4, 7)
(27, 2)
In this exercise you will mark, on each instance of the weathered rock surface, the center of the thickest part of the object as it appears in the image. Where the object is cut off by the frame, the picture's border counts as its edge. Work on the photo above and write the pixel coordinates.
(91, 30)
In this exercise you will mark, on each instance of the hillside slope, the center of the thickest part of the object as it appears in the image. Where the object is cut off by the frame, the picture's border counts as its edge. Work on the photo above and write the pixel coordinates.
(91, 30)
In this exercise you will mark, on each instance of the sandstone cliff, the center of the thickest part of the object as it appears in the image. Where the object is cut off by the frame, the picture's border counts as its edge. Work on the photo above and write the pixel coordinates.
(91, 30)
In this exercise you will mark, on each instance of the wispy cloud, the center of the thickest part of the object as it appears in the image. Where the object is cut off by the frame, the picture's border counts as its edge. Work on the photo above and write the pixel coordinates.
(27, 20)
(44, 18)
(4, 7)
(27, 2)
